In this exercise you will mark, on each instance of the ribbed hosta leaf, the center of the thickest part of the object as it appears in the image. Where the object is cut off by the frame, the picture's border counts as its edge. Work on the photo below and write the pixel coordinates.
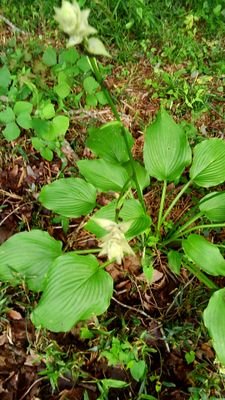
(213, 206)
(205, 254)
(215, 322)
(208, 167)
(104, 175)
(70, 197)
(108, 143)
(142, 175)
(76, 289)
(27, 256)
(166, 149)
(131, 211)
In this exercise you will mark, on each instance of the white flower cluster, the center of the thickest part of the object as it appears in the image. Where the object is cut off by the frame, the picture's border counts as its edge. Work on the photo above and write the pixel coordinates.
(114, 244)
(74, 23)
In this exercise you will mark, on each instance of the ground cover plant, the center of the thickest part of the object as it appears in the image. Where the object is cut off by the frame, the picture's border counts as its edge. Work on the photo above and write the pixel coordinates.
(107, 192)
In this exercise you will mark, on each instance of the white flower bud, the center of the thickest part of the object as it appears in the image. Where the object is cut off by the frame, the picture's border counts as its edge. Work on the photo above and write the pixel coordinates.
(114, 244)
(74, 22)
(96, 47)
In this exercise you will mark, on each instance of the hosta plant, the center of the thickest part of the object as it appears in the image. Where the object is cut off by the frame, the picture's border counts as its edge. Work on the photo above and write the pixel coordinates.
(75, 286)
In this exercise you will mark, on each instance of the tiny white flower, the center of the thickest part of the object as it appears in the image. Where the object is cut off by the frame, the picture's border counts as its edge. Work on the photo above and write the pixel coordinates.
(74, 22)
(114, 244)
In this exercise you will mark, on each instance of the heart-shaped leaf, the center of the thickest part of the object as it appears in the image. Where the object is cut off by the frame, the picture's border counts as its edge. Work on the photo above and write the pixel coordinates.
(104, 175)
(131, 211)
(28, 256)
(213, 206)
(205, 254)
(215, 322)
(208, 167)
(108, 143)
(70, 197)
(76, 289)
(166, 149)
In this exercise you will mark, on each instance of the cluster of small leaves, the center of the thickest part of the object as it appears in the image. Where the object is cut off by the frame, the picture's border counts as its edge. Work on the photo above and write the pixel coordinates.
(36, 103)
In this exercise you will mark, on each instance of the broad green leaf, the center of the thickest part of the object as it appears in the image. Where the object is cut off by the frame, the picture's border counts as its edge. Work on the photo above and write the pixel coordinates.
(7, 116)
(90, 85)
(76, 289)
(131, 211)
(69, 56)
(62, 90)
(37, 143)
(5, 77)
(174, 261)
(108, 143)
(24, 120)
(47, 111)
(141, 174)
(60, 125)
(213, 206)
(106, 212)
(205, 254)
(83, 64)
(46, 153)
(215, 322)
(70, 197)
(102, 99)
(40, 127)
(166, 149)
(28, 256)
(104, 175)
(138, 370)
(21, 107)
(11, 131)
(91, 100)
(208, 167)
(49, 57)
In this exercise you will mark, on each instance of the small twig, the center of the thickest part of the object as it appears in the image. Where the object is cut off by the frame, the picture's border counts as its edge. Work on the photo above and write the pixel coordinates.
(12, 26)
(12, 195)
(31, 387)
(132, 308)
(12, 212)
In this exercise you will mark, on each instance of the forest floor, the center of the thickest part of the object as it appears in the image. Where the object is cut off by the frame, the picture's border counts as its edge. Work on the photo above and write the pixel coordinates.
(162, 322)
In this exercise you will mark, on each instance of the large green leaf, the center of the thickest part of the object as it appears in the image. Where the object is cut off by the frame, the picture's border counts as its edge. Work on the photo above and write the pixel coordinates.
(205, 254)
(28, 256)
(208, 167)
(70, 197)
(142, 175)
(215, 322)
(166, 149)
(213, 206)
(108, 143)
(76, 289)
(131, 211)
(104, 175)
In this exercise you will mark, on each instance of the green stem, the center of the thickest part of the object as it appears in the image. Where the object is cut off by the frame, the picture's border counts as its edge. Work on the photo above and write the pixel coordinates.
(88, 251)
(174, 202)
(201, 276)
(196, 227)
(182, 228)
(100, 80)
(105, 264)
(161, 207)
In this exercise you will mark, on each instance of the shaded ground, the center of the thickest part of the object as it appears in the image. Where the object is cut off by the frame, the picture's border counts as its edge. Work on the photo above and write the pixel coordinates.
(162, 320)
